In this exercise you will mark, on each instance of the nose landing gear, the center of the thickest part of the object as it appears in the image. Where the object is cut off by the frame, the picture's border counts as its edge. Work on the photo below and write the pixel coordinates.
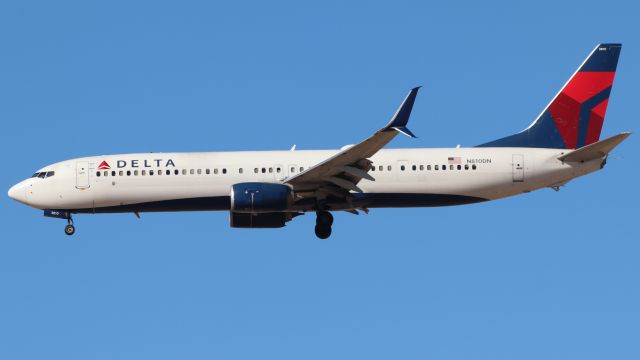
(62, 214)
(69, 229)
(324, 220)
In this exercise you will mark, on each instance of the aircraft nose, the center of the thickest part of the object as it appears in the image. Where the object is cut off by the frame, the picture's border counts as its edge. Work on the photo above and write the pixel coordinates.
(18, 193)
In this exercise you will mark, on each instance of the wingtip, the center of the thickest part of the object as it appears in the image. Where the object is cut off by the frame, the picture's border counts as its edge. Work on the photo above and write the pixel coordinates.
(401, 117)
(405, 130)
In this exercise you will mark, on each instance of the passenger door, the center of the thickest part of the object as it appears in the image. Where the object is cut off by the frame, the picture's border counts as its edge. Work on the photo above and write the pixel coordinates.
(82, 175)
(518, 167)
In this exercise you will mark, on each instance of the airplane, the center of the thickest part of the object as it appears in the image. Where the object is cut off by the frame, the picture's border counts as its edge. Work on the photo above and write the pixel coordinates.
(267, 189)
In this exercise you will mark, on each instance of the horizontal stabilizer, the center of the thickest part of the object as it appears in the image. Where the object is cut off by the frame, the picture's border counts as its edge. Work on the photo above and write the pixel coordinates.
(595, 150)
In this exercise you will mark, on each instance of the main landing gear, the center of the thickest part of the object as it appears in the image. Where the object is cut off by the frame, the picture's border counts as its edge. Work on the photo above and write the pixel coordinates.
(69, 229)
(324, 220)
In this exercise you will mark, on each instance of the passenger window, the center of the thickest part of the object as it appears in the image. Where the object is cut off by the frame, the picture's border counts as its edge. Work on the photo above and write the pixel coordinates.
(466, 166)
(301, 169)
(373, 168)
(421, 167)
(264, 170)
(436, 167)
(105, 173)
(159, 172)
(176, 172)
(167, 172)
(278, 170)
(199, 171)
(444, 167)
(293, 169)
(413, 167)
(135, 172)
(255, 170)
(380, 168)
(184, 171)
(402, 167)
(270, 170)
(113, 173)
(473, 166)
(450, 167)
(240, 170)
(429, 167)
(143, 172)
(120, 173)
(215, 171)
(97, 174)
(128, 172)
(459, 167)
(389, 167)
(224, 171)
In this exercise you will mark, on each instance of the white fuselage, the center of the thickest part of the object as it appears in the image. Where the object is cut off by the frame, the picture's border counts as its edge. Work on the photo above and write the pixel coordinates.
(202, 181)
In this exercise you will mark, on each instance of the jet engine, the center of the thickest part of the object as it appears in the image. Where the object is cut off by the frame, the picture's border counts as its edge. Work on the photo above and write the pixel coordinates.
(260, 205)
(256, 198)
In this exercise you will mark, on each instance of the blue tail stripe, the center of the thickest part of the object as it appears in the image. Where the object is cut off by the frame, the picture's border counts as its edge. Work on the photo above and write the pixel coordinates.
(544, 134)
(585, 114)
(603, 59)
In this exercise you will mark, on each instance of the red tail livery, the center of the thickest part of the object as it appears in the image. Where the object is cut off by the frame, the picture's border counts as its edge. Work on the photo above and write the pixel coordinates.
(575, 116)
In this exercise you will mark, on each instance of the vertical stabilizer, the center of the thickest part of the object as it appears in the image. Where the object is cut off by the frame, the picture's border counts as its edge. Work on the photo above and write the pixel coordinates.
(575, 116)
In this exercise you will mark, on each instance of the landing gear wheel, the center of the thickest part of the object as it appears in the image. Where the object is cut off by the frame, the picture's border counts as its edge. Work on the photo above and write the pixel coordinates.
(324, 218)
(323, 232)
(69, 229)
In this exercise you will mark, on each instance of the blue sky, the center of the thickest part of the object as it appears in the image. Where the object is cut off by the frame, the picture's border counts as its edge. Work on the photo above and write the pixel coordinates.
(543, 275)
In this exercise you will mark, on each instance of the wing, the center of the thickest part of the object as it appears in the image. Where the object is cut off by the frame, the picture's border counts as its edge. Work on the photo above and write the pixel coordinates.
(340, 174)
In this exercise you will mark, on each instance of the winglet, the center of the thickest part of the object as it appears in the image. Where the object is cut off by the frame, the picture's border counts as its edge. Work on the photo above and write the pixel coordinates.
(401, 117)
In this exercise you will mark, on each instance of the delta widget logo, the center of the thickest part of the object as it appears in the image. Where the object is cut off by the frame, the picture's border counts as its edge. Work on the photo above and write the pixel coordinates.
(104, 166)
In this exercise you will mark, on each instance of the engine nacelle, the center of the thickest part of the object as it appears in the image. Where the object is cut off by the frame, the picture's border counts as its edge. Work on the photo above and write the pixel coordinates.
(256, 198)
(267, 220)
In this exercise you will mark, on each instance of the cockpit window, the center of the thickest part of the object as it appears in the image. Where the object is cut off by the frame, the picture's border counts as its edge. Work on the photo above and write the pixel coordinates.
(43, 174)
